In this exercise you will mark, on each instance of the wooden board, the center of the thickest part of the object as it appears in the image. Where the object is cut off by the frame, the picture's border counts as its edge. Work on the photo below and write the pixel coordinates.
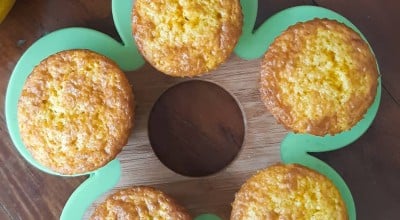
(215, 193)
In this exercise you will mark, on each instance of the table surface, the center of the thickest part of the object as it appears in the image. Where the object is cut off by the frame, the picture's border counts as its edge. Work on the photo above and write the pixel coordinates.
(370, 166)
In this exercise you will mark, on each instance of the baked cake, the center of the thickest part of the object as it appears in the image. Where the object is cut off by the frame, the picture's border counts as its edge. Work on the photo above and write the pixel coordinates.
(139, 202)
(186, 37)
(288, 192)
(319, 77)
(76, 111)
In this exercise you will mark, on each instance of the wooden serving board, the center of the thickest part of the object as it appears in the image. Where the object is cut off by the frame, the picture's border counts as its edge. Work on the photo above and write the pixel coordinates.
(215, 193)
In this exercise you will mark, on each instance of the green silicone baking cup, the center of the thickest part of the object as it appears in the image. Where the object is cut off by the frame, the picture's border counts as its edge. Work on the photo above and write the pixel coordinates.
(252, 45)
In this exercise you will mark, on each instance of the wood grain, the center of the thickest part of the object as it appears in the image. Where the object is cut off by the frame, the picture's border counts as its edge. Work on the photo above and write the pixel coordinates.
(370, 166)
(140, 166)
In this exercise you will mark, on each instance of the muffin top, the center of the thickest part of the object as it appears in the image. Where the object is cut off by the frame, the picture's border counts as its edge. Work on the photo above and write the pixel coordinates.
(139, 202)
(75, 112)
(186, 37)
(288, 192)
(319, 77)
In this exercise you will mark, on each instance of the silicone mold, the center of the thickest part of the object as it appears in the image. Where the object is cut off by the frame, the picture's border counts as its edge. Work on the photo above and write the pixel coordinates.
(295, 148)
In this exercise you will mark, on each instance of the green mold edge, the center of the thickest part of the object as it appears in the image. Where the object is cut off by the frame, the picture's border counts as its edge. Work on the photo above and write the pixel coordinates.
(294, 148)
(96, 185)
(125, 55)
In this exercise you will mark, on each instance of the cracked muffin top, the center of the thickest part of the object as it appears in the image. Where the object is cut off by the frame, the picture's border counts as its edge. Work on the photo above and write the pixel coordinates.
(186, 37)
(139, 202)
(76, 111)
(289, 191)
(319, 77)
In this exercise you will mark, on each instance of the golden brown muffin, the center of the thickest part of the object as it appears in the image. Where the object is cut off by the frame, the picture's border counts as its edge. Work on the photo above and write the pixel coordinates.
(186, 37)
(319, 77)
(139, 202)
(288, 192)
(76, 111)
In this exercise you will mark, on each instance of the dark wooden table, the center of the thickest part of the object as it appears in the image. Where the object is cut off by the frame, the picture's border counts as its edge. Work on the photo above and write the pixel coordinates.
(370, 166)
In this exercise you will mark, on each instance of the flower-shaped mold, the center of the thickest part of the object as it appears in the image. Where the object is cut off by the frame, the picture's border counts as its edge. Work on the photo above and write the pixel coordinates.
(138, 165)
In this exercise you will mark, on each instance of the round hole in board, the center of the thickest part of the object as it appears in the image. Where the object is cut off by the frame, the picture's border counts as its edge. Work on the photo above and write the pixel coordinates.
(196, 128)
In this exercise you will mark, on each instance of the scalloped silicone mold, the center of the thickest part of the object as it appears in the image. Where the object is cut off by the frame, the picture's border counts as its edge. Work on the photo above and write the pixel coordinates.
(252, 45)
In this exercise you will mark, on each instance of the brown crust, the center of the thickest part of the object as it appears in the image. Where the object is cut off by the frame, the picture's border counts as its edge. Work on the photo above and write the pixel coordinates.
(318, 77)
(139, 202)
(186, 38)
(288, 192)
(76, 111)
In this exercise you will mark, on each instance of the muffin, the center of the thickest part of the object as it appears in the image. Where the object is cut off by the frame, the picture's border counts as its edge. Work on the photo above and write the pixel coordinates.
(288, 192)
(139, 202)
(75, 112)
(186, 37)
(318, 77)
